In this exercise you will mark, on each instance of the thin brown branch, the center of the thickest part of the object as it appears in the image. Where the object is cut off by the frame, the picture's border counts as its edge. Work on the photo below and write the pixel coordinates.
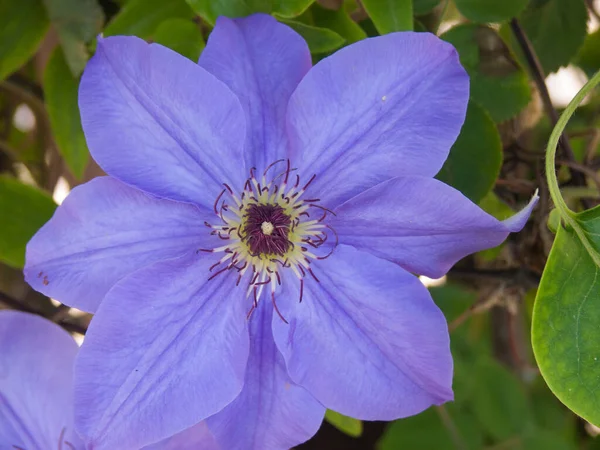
(537, 72)
(13, 303)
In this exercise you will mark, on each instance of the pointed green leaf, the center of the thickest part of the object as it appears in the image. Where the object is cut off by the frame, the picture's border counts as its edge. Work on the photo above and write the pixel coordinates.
(566, 321)
(319, 40)
(61, 90)
(499, 400)
(181, 35)
(475, 158)
(390, 15)
(588, 57)
(348, 425)
(141, 17)
(457, 431)
(556, 29)
(422, 7)
(481, 11)
(497, 82)
(77, 22)
(24, 24)
(338, 21)
(290, 8)
(24, 210)
(211, 9)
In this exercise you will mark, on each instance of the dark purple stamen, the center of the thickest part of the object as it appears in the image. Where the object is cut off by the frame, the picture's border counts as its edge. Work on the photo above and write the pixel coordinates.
(266, 229)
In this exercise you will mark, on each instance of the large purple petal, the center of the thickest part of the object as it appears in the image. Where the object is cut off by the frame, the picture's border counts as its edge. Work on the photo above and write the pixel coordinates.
(377, 109)
(166, 349)
(262, 61)
(271, 413)
(103, 231)
(157, 121)
(197, 437)
(367, 340)
(421, 223)
(36, 375)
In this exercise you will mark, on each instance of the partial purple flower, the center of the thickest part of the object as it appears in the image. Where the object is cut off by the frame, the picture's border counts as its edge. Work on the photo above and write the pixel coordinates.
(248, 258)
(36, 389)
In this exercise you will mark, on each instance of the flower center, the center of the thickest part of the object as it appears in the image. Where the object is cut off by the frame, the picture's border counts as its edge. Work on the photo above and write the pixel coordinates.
(266, 229)
(269, 227)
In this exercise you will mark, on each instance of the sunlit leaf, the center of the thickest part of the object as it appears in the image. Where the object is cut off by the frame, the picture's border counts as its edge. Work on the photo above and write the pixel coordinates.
(348, 425)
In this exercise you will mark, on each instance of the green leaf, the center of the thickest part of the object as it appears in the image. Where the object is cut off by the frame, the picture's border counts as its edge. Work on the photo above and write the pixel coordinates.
(422, 7)
(390, 15)
(590, 223)
(348, 425)
(428, 431)
(452, 299)
(546, 440)
(142, 17)
(566, 319)
(24, 210)
(211, 9)
(499, 400)
(319, 40)
(588, 57)
(475, 158)
(338, 21)
(24, 24)
(61, 91)
(77, 22)
(490, 11)
(556, 29)
(492, 204)
(181, 35)
(497, 82)
(290, 8)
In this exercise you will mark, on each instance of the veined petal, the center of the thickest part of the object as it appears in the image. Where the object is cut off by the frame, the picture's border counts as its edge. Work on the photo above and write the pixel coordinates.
(36, 375)
(367, 340)
(261, 61)
(197, 437)
(166, 349)
(161, 123)
(103, 231)
(421, 223)
(380, 108)
(271, 413)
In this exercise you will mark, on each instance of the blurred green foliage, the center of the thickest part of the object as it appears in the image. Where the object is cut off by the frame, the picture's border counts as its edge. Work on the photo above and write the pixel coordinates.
(501, 401)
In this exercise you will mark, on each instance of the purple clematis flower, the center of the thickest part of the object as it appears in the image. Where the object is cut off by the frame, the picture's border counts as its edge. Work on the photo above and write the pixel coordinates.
(36, 398)
(249, 257)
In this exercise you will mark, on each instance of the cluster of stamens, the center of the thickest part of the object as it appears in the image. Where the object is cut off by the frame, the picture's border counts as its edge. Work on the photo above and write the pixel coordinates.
(268, 228)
